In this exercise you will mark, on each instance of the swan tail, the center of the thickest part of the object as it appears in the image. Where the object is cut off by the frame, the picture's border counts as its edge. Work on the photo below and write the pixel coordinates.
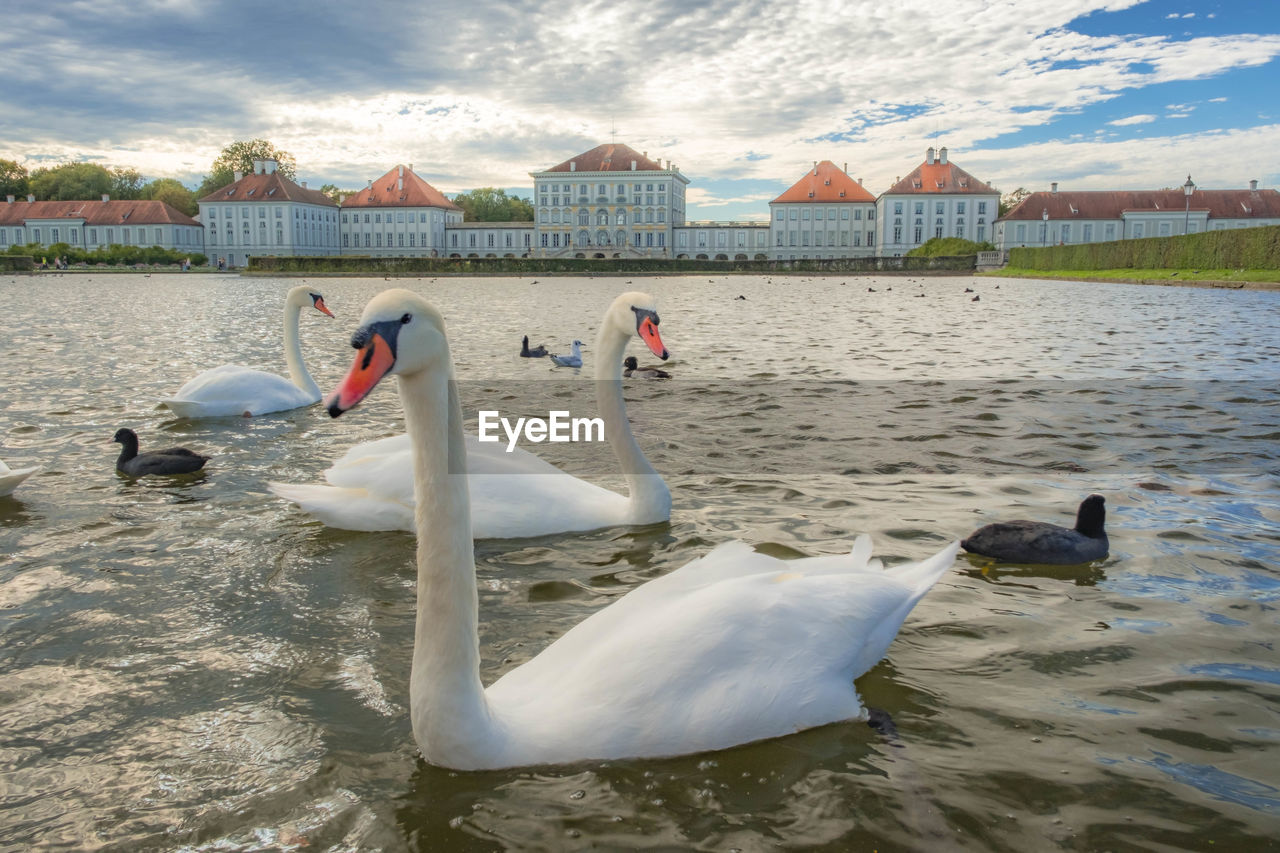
(921, 576)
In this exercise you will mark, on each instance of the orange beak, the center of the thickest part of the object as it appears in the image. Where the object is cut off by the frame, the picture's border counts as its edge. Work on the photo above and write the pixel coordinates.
(373, 360)
(648, 331)
(322, 308)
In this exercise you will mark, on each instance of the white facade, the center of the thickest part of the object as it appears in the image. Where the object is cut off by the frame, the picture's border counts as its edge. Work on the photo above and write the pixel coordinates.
(266, 214)
(90, 225)
(398, 215)
(722, 241)
(938, 199)
(489, 240)
(1063, 218)
(608, 202)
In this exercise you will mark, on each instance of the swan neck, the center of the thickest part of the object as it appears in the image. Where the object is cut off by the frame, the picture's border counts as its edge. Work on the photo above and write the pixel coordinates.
(451, 720)
(298, 374)
(648, 494)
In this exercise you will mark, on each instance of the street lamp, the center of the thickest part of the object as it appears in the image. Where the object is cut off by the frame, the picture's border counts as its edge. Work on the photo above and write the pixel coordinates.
(1188, 188)
(1044, 229)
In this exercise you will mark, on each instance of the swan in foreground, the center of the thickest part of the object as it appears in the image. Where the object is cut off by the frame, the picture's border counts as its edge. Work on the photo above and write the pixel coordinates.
(1042, 542)
(234, 390)
(514, 494)
(573, 359)
(734, 647)
(11, 478)
(172, 460)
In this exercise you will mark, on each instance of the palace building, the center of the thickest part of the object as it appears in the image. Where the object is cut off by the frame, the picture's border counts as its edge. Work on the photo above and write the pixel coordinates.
(91, 225)
(398, 215)
(265, 213)
(825, 214)
(938, 199)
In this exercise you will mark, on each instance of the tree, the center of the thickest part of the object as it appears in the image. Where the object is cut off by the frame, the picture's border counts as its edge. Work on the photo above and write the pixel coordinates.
(949, 247)
(488, 204)
(172, 193)
(70, 182)
(1009, 201)
(239, 157)
(13, 178)
(126, 183)
(332, 191)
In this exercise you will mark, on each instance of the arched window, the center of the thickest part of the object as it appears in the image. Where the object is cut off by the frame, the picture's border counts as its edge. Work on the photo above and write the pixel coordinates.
(620, 238)
(602, 217)
(602, 237)
(584, 239)
(622, 217)
(584, 218)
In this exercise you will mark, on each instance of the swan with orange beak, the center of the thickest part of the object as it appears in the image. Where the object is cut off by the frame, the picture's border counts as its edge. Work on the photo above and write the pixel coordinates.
(512, 494)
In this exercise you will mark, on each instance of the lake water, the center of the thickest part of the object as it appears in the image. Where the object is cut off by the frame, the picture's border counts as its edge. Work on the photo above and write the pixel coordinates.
(194, 664)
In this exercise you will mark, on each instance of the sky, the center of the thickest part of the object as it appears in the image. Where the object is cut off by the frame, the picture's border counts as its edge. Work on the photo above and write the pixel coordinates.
(742, 95)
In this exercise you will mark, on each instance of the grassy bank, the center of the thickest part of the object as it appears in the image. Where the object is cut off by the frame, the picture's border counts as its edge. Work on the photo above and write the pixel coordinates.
(1247, 278)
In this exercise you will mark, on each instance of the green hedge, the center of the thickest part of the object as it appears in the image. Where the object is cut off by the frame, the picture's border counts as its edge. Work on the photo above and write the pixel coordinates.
(113, 255)
(1237, 248)
(346, 264)
(949, 247)
(17, 263)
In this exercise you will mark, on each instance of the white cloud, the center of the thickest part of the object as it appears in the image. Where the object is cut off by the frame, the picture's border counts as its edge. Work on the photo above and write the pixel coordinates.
(1136, 119)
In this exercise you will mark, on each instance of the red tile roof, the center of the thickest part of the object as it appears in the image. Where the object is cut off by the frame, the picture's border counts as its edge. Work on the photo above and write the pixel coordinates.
(825, 183)
(939, 177)
(609, 158)
(1110, 204)
(95, 212)
(387, 191)
(270, 186)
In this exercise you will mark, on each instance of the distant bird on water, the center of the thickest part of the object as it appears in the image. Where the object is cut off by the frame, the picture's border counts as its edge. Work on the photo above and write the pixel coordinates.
(573, 359)
(633, 370)
(1041, 542)
(537, 352)
(173, 460)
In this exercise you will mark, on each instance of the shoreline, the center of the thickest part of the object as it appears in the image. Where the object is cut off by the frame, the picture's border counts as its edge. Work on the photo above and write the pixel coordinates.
(1216, 284)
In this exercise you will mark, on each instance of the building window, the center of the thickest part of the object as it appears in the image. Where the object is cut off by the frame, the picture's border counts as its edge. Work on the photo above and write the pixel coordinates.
(1109, 231)
(982, 208)
(411, 236)
(367, 238)
(400, 239)
(897, 208)
(346, 240)
(938, 208)
(919, 208)
(919, 233)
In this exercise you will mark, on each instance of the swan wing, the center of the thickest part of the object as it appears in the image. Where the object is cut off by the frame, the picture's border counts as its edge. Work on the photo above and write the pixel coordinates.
(235, 390)
(713, 658)
(513, 495)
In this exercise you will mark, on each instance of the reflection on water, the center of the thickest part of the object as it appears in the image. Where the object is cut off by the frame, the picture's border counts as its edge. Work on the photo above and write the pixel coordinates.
(193, 663)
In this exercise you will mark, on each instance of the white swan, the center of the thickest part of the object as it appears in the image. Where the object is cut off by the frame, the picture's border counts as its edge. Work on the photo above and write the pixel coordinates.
(733, 647)
(513, 494)
(573, 359)
(11, 478)
(234, 390)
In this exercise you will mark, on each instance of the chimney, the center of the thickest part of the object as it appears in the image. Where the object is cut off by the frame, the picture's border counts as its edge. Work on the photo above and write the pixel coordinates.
(402, 171)
(341, 199)
(239, 175)
(400, 184)
(815, 167)
(644, 154)
(633, 165)
(106, 197)
(859, 181)
(410, 167)
(942, 155)
(928, 156)
(269, 167)
(370, 185)
(573, 165)
(304, 185)
(846, 167)
(1053, 187)
(1253, 187)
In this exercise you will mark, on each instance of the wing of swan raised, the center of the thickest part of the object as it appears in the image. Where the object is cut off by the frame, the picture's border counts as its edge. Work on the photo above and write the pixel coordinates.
(235, 390)
(734, 647)
(513, 494)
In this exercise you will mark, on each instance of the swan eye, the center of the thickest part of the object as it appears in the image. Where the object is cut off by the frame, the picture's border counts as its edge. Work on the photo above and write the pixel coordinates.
(406, 318)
